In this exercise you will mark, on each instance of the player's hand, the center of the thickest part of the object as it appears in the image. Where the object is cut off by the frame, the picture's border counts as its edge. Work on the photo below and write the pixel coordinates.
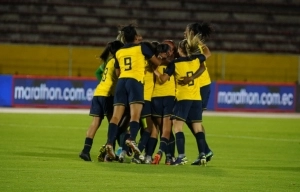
(185, 80)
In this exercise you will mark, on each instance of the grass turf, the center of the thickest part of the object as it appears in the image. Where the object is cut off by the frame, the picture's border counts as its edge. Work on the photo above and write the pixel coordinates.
(39, 152)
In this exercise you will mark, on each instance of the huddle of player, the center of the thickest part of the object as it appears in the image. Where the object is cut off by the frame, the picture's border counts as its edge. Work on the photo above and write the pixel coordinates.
(153, 88)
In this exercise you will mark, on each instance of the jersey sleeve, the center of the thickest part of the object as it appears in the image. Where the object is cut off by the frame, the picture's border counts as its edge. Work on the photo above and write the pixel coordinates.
(201, 57)
(170, 69)
(146, 51)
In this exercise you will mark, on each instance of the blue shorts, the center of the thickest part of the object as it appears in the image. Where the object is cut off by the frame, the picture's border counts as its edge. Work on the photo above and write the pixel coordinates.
(128, 91)
(205, 92)
(146, 111)
(188, 110)
(162, 106)
(101, 106)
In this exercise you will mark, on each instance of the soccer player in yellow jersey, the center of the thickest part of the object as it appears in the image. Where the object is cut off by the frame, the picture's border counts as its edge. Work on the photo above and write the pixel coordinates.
(130, 68)
(146, 114)
(102, 102)
(203, 30)
(188, 99)
(163, 99)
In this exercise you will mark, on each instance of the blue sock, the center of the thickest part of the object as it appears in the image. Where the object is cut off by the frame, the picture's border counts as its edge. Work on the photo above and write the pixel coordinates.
(112, 132)
(171, 145)
(180, 142)
(87, 145)
(134, 129)
(200, 137)
(151, 145)
(207, 149)
(163, 144)
(144, 140)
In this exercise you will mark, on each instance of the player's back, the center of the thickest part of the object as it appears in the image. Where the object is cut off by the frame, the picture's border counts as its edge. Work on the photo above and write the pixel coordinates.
(184, 66)
(108, 81)
(165, 89)
(131, 62)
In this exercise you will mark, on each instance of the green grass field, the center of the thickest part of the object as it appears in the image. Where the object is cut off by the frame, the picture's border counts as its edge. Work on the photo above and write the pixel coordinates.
(40, 153)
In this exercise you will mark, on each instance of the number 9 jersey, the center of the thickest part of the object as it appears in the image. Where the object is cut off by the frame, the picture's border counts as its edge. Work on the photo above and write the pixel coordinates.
(131, 60)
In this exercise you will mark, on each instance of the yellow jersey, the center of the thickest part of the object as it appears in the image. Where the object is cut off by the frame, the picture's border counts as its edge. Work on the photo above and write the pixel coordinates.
(131, 59)
(148, 83)
(204, 79)
(166, 89)
(107, 85)
(182, 67)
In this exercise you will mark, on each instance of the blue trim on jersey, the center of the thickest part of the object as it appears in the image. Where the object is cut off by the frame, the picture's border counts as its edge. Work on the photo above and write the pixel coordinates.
(201, 57)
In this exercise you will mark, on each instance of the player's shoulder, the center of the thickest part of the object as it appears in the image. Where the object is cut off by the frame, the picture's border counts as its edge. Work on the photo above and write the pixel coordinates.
(182, 59)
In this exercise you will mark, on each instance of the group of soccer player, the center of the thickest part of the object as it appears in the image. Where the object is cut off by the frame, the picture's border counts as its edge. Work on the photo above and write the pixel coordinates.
(152, 88)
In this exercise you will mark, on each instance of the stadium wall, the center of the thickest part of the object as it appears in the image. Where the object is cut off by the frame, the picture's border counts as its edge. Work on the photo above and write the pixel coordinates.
(74, 92)
(73, 61)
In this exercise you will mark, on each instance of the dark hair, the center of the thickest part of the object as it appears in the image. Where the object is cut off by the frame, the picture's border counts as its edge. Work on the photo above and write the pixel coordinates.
(204, 29)
(128, 33)
(163, 48)
(175, 51)
(111, 48)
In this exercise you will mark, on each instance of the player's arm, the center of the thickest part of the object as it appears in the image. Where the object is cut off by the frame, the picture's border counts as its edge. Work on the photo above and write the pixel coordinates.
(198, 73)
(166, 75)
(206, 52)
(99, 72)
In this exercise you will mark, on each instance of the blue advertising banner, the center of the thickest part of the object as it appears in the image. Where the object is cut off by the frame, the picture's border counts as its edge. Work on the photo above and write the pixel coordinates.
(255, 97)
(53, 92)
(6, 90)
(210, 104)
(298, 99)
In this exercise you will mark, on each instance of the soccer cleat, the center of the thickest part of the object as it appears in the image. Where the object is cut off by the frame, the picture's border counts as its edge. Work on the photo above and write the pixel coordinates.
(107, 158)
(110, 151)
(102, 153)
(209, 155)
(119, 151)
(201, 160)
(122, 156)
(85, 156)
(168, 160)
(180, 161)
(148, 160)
(135, 160)
(133, 146)
(157, 158)
(129, 152)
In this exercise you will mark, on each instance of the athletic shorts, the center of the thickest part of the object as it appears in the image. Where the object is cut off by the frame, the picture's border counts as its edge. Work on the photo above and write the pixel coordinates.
(188, 110)
(162, 106)
(146, 111)
(101, 106)
(205, 92)
(128, 91)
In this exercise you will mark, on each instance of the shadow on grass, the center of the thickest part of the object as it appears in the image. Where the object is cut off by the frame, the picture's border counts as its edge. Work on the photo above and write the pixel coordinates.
(162, 169)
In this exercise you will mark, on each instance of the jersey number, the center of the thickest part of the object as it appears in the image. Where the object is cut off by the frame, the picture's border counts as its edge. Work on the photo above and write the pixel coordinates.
(189, 74)
(127, 62)
(104, 75)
